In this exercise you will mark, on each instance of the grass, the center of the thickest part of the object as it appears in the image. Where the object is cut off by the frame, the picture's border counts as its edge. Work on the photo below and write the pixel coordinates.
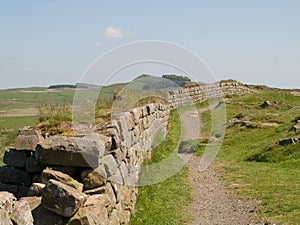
(164, 203)
(262, 170)
(9, 127)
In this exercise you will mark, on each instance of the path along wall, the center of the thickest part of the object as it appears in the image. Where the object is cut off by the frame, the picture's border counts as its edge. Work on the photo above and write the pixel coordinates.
(90, 178)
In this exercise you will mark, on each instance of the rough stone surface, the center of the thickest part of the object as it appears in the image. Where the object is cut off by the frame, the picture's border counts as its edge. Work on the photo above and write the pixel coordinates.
(13, 157)
(110, 165)
(21, 213)
(27, 139)
(5, 218)
(36, 189)
(13, 175)
(62, 199)
(6, 200)
(41, 215)
(49, 174)
(94, 212)
(33, 166)
(71, 151)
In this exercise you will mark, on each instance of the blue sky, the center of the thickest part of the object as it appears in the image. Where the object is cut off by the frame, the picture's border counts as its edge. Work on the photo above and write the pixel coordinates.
(50, 42)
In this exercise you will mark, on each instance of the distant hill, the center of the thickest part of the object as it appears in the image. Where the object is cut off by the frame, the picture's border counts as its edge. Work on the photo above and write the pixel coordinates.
(77, 85)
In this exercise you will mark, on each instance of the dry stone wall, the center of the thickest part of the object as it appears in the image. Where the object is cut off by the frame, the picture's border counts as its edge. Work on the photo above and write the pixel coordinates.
(86, 179)
(91, 178)
(200, 93)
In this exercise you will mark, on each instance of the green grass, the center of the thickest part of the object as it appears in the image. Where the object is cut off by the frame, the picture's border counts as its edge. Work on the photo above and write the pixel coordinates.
(165, 202)
(265, 172)
(9, 127)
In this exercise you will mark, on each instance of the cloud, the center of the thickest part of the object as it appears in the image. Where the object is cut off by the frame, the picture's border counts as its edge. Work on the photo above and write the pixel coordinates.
(115, 32)
(98, 44)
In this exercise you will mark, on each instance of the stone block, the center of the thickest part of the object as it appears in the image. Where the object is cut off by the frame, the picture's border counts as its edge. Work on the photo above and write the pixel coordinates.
(71, 151)
(21, 213)
(62, 199)
(49, 174)
(28, 139)
(36, 189)
(33, 166)
(93, 178)
(12, 175)
(13, 157)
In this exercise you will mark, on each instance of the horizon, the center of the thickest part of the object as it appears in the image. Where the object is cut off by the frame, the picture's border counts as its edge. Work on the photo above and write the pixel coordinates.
(46, 43)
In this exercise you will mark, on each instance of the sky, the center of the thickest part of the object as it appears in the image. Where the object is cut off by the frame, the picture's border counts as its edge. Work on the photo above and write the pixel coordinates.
(55, 42)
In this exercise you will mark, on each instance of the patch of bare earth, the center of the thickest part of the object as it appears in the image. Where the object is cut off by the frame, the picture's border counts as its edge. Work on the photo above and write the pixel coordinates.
(213, 203)
(19, 112)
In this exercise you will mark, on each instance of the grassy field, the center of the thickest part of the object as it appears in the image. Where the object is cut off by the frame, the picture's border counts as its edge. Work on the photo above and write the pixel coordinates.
(28, 106)
(164, 203)
(253, 163)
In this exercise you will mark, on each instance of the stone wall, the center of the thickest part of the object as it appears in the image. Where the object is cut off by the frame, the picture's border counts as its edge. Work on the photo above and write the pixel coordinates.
(90, 178)
(87, 179)
(200, 93)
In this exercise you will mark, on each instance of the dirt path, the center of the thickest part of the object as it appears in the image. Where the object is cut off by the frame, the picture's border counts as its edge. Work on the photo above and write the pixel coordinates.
(213, 203)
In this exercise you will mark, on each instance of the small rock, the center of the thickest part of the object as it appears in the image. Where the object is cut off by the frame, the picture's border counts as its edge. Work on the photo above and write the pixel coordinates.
(289, 141)
(266, 104)
(36, 189)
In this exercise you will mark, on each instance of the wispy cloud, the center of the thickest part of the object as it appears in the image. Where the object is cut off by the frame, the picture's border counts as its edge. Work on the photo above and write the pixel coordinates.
(115, 32)
(98, 44)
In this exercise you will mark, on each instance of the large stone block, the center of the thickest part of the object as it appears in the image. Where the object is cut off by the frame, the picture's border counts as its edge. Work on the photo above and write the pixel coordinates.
(28, 139)
(13, 175)
(13, 157)
(62, 199)
(49, 174)
(71, 151)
